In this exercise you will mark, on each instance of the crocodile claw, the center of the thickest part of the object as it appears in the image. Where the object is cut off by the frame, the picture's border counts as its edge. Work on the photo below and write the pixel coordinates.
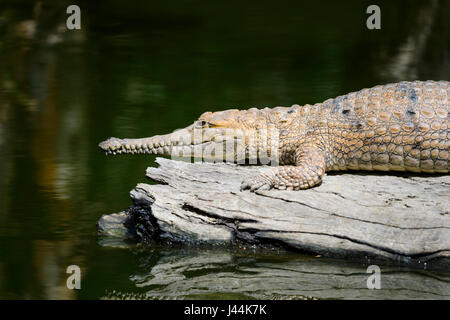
(258, 182)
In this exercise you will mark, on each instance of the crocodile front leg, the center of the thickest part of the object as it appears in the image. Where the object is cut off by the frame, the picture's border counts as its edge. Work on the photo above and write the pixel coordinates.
(306, 173)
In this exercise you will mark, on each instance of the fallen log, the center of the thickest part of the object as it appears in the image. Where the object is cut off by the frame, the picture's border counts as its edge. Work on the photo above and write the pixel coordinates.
(356, 214)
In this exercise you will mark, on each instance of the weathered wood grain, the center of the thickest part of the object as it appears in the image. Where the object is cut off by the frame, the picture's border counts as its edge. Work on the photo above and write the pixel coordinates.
(405, 218)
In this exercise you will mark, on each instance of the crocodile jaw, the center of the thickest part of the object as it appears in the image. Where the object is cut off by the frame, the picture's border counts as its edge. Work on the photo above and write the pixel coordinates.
(209, 144)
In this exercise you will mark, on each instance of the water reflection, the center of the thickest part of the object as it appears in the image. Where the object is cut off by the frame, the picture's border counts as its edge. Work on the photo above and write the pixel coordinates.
(405, 64)
(206, 274)
(139, 70)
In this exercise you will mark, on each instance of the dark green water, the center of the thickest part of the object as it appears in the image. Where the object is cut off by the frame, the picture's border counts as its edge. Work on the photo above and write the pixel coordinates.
(148, 68)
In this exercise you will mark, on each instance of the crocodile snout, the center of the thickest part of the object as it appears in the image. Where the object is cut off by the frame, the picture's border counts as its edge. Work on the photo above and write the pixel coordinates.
(110, 145)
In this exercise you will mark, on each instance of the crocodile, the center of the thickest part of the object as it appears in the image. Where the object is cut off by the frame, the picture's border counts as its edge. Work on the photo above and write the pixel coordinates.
(393, 127)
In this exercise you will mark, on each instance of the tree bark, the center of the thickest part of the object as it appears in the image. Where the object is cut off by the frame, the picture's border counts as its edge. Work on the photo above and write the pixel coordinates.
(356, 214)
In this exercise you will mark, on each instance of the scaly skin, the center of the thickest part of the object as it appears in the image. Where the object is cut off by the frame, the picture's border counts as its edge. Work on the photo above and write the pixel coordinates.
(400, 127)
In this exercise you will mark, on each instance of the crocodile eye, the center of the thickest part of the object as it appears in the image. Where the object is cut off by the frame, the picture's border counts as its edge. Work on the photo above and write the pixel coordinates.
(201, 124)
(204, 124)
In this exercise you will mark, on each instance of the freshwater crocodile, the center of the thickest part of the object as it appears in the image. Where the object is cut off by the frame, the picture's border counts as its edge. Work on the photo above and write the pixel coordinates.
(401, 127)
